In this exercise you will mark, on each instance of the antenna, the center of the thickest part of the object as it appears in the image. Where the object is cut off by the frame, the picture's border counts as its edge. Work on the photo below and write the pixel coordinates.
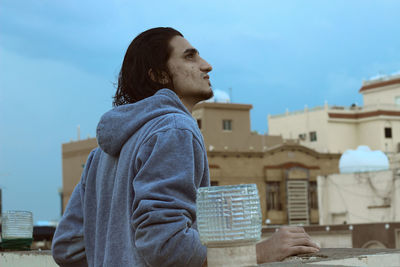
(79, 132)
(230, 94)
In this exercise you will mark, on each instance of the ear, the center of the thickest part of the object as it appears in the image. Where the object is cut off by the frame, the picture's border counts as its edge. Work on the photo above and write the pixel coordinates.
(151, 75)
(164, 79)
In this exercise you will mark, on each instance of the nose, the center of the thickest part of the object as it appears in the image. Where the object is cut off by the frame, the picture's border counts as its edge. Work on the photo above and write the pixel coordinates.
(205, 66)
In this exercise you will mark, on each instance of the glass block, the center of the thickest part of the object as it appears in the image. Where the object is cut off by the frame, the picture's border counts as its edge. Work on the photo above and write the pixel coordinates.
(228, 214)
(17, 224)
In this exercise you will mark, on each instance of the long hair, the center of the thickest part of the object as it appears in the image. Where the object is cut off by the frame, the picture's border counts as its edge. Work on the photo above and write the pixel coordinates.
(149, 50)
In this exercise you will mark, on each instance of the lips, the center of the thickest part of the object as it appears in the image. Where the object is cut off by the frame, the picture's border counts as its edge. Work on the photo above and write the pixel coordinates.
(206, 77)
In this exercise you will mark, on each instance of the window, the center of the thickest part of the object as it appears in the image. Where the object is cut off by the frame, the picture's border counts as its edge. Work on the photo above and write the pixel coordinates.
(199, 123)
(273, 196)
(312, 195)
(397, 100)
(388, 132)
(313, 136)
(227, 125)
(214, 183)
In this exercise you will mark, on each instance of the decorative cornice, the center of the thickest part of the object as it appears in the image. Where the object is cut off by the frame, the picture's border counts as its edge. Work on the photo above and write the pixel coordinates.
(304, 149)
(270, 151)
(363, 114)
(226, 106)
(289, 165)
(213, 166)
(379, 84)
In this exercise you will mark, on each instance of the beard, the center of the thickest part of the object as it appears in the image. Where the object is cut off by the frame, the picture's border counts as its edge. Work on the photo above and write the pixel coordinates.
(206, 95)
(200, 95)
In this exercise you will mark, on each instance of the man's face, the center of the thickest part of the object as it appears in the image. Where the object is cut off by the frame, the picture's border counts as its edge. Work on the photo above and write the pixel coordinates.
(189, 71)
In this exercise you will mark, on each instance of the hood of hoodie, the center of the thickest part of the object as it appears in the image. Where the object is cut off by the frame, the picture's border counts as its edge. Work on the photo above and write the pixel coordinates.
(119, 124)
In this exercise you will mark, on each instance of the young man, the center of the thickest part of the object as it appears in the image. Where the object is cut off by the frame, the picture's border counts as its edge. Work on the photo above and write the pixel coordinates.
(135, 203)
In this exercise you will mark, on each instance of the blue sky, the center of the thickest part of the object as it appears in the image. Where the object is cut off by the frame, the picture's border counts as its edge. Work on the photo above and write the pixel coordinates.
(60, 59)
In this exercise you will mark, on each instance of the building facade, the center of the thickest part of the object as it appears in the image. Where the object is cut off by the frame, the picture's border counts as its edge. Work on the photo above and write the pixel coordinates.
(74, 156)
(336, 129)
(363, 197)
(284, 171)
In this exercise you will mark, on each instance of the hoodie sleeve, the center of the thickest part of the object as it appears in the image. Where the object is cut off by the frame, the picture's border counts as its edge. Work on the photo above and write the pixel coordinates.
(68, 246)
(170, 167)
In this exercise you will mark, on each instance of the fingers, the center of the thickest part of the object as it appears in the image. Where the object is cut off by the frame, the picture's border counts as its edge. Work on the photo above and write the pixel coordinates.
(304, 242)
(299, 235)
(296, 237)
(292, 229)
(294, 232)
(285, 233)
(288, 241)
(301, 250)
(302, 239)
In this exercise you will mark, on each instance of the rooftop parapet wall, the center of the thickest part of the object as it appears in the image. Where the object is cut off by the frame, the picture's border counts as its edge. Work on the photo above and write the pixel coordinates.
(380, 82)
(325, 257)
(343, 110)
(343, 257)
(297, 112)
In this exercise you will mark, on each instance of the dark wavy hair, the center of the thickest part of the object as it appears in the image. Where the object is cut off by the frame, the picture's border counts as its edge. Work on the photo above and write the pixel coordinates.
(149, 50)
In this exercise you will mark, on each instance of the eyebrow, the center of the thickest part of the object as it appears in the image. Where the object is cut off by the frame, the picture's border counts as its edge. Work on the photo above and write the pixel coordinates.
(191, 51)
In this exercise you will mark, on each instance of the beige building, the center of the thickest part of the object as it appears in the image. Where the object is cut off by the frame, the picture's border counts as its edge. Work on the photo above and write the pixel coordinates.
(74, 156)
(336, 129)
(226, 127)
(364, 197)
(285, 172)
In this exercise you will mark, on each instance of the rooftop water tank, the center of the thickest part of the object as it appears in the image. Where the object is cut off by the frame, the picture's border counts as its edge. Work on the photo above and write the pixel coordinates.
(363, 159)
(220, 97)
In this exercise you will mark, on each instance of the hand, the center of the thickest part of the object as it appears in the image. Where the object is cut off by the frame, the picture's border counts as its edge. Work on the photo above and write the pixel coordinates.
(287, 241)
(205, 263)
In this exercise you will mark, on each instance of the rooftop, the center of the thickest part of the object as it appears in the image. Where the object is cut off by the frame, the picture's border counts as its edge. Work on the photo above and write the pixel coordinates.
(380, 81)
(354, 111)
(325, 257)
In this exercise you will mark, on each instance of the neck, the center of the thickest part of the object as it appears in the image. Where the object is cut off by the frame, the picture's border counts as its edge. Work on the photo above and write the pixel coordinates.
(188, 103)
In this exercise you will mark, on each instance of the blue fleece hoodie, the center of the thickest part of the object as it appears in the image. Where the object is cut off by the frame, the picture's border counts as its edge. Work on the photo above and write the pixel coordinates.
(135, 203)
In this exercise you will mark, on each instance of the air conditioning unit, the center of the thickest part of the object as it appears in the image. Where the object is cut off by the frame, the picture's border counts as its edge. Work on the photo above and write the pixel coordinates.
(303, 136)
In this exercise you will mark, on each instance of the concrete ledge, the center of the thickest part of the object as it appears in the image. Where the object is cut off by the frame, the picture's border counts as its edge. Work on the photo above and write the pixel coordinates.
(33, 258)
(348, 257)
(345, 257)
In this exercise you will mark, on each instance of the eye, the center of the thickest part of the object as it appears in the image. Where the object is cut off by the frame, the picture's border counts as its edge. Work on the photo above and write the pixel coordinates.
(189, 56)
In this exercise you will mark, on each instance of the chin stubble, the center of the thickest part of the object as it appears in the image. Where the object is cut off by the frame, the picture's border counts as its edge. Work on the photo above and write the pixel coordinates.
(207, 95)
